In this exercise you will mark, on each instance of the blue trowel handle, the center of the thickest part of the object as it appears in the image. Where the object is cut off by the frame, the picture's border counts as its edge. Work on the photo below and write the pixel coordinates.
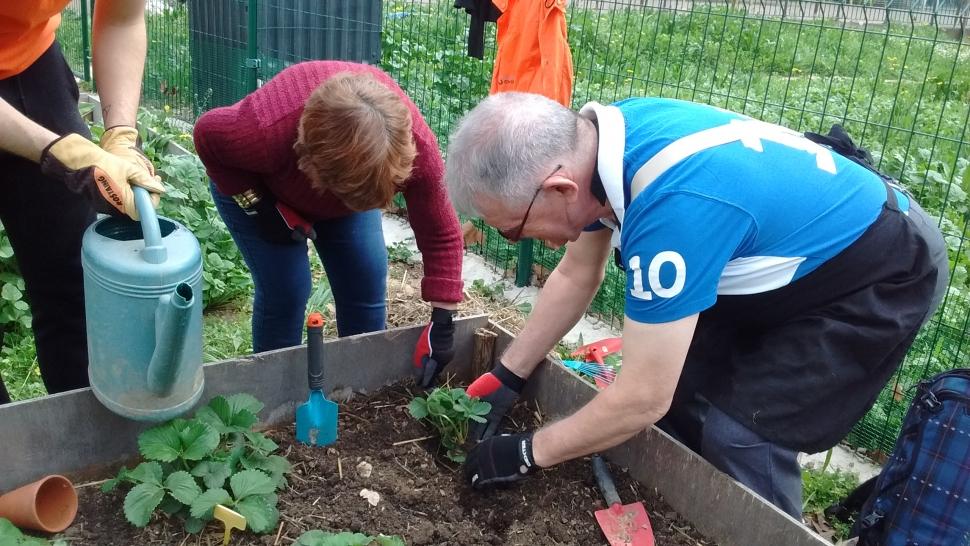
(605, 481)
(314, 351)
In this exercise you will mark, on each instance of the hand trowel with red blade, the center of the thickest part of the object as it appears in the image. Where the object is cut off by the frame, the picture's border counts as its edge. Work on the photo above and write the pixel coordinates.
(623, 524)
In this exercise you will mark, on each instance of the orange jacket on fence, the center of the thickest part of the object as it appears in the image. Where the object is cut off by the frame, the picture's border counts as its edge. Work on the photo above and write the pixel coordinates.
(533, 55)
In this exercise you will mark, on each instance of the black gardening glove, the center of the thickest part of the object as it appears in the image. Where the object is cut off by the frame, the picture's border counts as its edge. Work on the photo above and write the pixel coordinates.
(435, 348)
(278, 223)
(500, 460)
(500, 388)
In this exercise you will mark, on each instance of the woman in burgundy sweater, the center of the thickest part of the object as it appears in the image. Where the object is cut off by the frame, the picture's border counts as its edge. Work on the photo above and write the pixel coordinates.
(315, 154)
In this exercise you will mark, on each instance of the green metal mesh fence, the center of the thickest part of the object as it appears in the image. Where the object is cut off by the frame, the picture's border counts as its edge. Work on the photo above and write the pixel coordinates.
(896, 75)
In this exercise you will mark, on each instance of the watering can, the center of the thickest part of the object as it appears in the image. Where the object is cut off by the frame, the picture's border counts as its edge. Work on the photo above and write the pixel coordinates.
(143, 304)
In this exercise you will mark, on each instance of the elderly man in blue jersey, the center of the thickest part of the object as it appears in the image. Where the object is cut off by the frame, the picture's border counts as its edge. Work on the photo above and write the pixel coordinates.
(773, 285)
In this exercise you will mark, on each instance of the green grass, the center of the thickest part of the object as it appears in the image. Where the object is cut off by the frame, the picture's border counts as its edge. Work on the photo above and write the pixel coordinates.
(21, 374)
(821, 488)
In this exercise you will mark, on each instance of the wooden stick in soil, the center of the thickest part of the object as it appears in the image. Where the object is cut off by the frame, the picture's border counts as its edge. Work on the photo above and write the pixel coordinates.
(406, 469)
(278, 533)
(340, 469)
(484, 353)
(411, 441)
(89, 484)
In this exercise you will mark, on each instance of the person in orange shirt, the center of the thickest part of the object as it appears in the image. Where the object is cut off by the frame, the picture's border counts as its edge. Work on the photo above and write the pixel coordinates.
(53, 179)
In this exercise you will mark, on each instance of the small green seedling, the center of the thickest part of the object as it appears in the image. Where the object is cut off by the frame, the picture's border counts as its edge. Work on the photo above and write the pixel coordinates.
(449, 411)
(188, 462)
(322, 538)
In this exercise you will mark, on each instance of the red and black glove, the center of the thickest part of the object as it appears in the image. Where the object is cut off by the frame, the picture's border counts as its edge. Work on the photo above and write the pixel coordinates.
(435, 348)
(500, 388)
(279, 223)
(500, 460)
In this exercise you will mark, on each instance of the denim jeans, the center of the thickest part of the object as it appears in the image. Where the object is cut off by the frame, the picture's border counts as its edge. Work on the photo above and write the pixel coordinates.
(354, 257)
(768, 469)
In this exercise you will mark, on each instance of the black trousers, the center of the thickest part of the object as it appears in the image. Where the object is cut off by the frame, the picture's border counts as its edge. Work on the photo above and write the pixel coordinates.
(45, 221)
(801, 364)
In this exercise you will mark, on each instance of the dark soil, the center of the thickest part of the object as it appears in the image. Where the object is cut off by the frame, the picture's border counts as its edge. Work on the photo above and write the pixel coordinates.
(422, 496)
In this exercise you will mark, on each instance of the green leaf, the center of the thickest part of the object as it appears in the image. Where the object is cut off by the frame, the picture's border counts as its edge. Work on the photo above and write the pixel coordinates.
(141, 501)
(230, 414)
(198, 440)
(251, 482)
(216, 413)
(213, 473)
(113, 483)
(261, 515)
(277, 464)
(182, 486)
(480, 407)
(9, 534)
(261, 443)
(194, 525)
(204, 503)
(244, 402)
(418, 408)
(160, 444)
(170, 505)
(10, 292)
(147, 472)
(455, 455)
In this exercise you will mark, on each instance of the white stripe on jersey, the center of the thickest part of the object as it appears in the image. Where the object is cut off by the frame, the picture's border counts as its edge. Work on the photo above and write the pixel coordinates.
(749, 132)
(756, 274)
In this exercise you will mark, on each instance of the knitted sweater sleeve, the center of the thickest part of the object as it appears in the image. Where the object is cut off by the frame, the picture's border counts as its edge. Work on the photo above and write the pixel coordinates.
(228, 142)
(433, 219)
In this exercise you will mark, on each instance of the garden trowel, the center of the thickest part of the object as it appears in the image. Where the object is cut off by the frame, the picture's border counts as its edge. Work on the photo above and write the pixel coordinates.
(316, 419)
(623, 524)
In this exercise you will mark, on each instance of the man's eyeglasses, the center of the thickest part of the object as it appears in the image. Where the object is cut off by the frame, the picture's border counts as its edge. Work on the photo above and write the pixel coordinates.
(513, 237)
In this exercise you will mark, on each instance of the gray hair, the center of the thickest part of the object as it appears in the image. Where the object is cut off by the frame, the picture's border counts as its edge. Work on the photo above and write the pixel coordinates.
(502, 147)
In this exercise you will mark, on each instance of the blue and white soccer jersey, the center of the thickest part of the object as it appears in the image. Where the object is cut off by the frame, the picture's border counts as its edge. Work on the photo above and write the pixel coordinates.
(714, 202)
(811, 275)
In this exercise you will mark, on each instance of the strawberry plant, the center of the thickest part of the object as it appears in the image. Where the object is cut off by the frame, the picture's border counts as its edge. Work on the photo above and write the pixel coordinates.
(449, 412)
(323, 538)
(188, 462)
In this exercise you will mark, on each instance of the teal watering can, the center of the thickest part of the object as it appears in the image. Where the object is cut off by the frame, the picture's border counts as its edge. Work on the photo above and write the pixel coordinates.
(143, 304)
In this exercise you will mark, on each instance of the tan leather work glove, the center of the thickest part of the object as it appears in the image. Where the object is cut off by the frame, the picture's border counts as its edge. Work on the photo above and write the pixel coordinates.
(103, 177)
(122, 141)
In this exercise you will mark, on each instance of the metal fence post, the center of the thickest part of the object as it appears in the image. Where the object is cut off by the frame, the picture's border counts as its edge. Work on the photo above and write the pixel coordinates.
(85, 41)
(523, 266)
(252, 43)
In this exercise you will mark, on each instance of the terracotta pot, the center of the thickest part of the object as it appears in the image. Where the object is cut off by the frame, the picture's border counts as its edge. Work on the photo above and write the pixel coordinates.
(47, 505)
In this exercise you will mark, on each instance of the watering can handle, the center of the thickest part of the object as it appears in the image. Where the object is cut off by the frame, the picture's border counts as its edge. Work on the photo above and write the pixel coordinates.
(155, 251)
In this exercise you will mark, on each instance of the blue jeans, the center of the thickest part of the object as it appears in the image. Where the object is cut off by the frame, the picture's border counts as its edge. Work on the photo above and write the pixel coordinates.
(768, 469)
(353, 254)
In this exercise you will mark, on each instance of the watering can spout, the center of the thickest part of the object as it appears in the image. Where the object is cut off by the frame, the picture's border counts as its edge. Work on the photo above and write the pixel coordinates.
(171, 325)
